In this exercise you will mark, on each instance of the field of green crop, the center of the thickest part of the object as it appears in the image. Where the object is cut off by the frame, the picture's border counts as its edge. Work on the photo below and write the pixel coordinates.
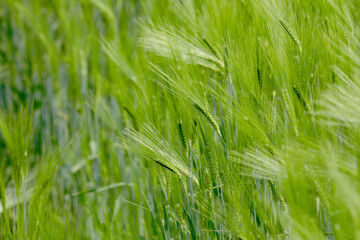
(180, 119)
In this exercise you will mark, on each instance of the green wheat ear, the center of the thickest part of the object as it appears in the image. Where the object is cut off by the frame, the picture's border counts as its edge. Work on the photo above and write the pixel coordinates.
(290, 32)
(182, 136)
(209, 117)
(290, 108)
(273, 107)
(179, 214)
(209, 183)
(210, 47)
(302, 99)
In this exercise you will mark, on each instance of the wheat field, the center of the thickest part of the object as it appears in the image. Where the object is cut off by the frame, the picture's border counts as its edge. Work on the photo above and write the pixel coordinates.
(180, 119)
